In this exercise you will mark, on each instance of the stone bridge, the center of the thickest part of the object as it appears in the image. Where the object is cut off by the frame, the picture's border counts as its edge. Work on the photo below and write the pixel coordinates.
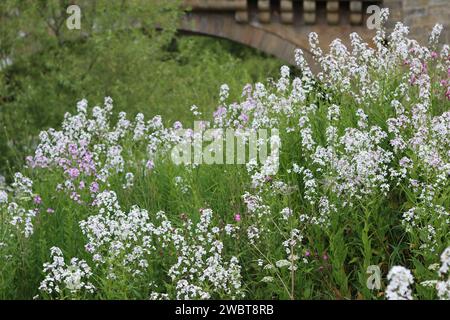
(277, 27)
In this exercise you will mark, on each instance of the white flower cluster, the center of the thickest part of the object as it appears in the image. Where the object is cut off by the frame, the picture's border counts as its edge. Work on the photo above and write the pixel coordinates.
(66, 280)
(292, 247)
(181, 184)
(3, 197)
(129, 180)
(21, 218)
(131, 242)
(22, 185)
(429, 222)
(88, 146)
(117, 239)
(443, 286)
(255, 205)
(401, 278)
(200, 264)
(346, 164)
(286, 213)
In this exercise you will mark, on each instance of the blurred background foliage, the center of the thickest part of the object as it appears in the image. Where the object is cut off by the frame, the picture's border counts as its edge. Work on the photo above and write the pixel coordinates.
(128, 50)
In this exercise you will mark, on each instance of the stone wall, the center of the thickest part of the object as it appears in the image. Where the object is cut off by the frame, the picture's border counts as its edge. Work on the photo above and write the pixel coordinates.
(421, 16)
(278, 27)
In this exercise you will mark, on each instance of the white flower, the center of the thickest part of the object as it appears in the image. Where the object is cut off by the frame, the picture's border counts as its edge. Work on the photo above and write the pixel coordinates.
(435, 33)
(445, 260)
(267, 279)
(129, 180)
(400, 279)
(22, 185)
(283, 263)
(3, 197)
(252, 234)
(60, 276)
(224, 92)
(21, 218)
(286, 213)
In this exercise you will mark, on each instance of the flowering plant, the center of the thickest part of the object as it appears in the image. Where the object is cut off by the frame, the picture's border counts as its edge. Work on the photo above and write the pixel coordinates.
(361, 179)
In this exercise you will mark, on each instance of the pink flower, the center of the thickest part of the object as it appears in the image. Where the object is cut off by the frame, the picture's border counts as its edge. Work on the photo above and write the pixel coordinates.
(424, 67)
(30, 161)
(307, 253)
(75, 196)
(73, 173)
(243, 117)
(237, 217)
(177, 125)
(150, 164)
(37, 200)
(434, 54)
(73, 149)
(94, 187)
(247, 90)
(50, 210)
(221, 111)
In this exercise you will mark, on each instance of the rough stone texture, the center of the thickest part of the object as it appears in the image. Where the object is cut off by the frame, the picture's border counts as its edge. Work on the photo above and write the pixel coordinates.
(421, 16)
(279, 29)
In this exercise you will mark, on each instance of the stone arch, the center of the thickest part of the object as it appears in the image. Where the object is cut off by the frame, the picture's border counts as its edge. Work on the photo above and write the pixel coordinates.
(278, 27)
(224, 26)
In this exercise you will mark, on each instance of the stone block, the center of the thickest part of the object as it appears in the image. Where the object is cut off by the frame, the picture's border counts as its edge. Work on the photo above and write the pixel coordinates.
(333, 6)
(333, 17)
(356, 6)
(287, 17)
(309, 6)
(241, 16)
(356, 18)
(264, 17)
(286, 5)
(263, 5)
(309, 17)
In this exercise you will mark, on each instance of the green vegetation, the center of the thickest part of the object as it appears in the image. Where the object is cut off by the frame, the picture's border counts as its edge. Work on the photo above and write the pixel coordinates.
(143, 69)
(102, 209)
